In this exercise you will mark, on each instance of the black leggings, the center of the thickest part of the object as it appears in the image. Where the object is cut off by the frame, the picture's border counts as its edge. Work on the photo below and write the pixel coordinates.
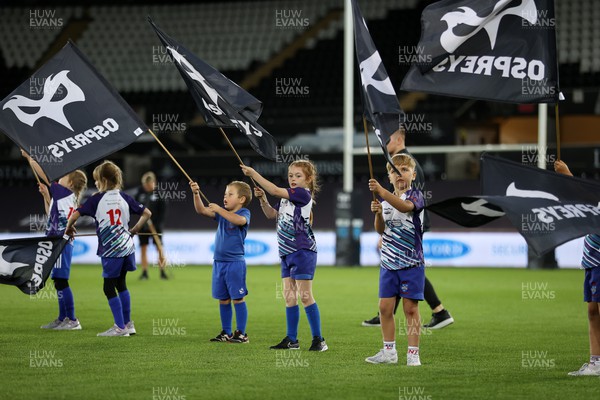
(430, 296)
(114, 285)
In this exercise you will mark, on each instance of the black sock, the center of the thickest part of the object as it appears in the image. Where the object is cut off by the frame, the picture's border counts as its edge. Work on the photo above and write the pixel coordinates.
(430, 295)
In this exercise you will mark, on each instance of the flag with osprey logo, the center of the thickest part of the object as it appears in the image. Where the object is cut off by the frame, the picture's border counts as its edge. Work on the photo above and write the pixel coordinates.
(547, 208)
(221, 101)
(502, 50)
(27, 263)
(380, 103)
(66, 115)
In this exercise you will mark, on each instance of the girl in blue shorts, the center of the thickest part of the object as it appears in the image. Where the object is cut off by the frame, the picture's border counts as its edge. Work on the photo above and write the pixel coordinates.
(399, 220)
(297, 246)
(111, 209)
(60, 200)
(591, 292)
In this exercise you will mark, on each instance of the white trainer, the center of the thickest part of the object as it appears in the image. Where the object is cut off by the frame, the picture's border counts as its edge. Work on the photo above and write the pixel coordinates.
(130, 328)
(587, 369)
(69, 325)
(384, 357)
(114, 331)
(52, 325)
(413, 360)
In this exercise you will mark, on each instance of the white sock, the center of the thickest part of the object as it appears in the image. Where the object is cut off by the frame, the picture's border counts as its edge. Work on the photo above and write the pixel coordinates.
(413, 350)
(389, 346)
(595, 360)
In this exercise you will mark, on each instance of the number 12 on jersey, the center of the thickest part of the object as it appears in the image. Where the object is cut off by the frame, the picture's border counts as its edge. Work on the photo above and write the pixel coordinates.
(112, 213)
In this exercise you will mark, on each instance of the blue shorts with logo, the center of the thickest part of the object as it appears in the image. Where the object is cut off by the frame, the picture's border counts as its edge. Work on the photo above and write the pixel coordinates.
(591, 285)
(62, 268)
(408, 283)
(299, 265)
(113, 266)
(229, 280)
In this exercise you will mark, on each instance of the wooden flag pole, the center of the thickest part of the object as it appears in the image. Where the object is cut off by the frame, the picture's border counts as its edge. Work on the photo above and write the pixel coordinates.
(95, 234)
(557, 121)
(231, 146)
(369, 153)
(235, 152)
(176, 163)
(28, 158)
(37, 177)
(162, 260)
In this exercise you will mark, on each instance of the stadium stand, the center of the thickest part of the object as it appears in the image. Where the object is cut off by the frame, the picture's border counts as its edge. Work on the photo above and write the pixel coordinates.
(248, 44)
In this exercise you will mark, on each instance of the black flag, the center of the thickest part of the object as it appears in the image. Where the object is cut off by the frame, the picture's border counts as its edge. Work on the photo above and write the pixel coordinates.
(503, 50)
(380, 103)
(221, 102)
(67, 115)
(547, 208)
(27, 263)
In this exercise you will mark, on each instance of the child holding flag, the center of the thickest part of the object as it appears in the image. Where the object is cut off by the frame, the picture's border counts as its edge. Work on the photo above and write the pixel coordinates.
(297, 246)
(229, 266)
(399, 220)
(60, 200)
(591, 292)
(111, 209)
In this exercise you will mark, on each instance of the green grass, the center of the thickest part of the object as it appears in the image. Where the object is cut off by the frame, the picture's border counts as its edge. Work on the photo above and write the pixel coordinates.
(479, 357)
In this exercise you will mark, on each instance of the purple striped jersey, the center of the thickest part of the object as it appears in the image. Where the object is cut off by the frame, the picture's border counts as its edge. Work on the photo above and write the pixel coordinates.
(61, 207)
(402, 239)
(591, 251)
(111, 210)
(293, 222)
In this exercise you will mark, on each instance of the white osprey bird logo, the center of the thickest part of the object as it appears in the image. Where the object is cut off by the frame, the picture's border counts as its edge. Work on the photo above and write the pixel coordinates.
(478, 207)
(7, 268)
(368, 68)
(195, 75)
(467, 16)
(47, 108)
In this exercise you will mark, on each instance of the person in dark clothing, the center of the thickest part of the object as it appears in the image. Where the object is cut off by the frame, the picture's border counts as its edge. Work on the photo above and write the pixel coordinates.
(148, 197)
(440, 317)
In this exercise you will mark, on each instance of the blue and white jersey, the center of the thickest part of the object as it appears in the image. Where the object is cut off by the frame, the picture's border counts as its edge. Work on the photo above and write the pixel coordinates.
(293, 222)
(402, 245)
(111, 211)
(62, 205)
(591, 251)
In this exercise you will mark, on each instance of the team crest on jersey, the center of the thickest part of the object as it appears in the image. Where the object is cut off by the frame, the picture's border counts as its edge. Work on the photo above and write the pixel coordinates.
(594, 288)
(404, 287)
(241, 290)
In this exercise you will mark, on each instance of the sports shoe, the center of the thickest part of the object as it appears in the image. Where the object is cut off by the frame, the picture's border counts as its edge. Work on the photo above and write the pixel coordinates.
(439, 320)
(69, 325)
(239, 337)
(221, 337)
(144, 276)
(318, 344)
(163, 275)
(130, 328)
(52, 325)
(114, 331)
(375, 321)
(413, 360)
(286, 344)
(587, 369)
(384, 357)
